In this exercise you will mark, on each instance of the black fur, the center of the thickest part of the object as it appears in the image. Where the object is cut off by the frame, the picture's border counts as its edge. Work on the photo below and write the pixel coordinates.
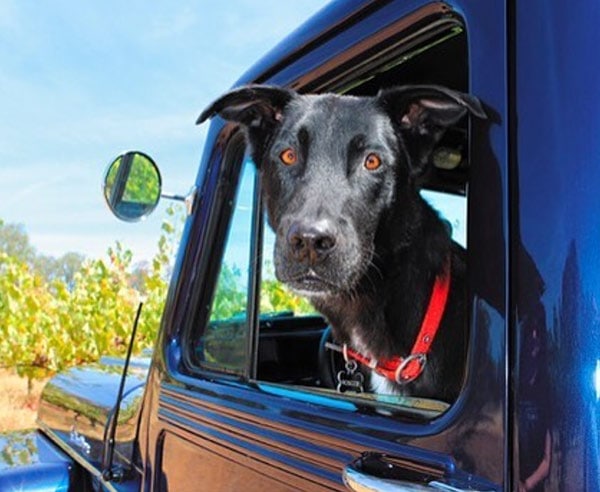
(361, 244)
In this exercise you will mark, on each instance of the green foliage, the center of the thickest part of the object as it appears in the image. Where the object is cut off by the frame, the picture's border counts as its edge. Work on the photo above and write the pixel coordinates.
(275, 297)
(52, 318)
(57, 313)
(230, 298)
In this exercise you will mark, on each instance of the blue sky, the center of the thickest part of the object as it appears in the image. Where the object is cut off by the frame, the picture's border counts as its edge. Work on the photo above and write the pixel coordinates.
(81, 82)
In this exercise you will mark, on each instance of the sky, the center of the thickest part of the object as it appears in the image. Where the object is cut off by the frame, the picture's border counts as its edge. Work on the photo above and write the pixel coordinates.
(81, 82)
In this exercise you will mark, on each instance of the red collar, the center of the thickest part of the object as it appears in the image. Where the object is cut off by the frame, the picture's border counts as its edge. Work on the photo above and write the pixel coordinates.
(403, 370)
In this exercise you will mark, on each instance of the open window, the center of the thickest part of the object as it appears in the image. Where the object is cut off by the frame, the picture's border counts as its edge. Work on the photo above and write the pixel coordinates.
(258, 329)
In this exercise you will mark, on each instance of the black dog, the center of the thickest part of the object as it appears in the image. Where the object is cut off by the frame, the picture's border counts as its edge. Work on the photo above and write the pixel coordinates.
(352, 231)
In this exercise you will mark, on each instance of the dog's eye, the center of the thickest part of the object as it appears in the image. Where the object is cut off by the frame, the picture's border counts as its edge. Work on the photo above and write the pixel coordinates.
(288, 157)
(372, 162)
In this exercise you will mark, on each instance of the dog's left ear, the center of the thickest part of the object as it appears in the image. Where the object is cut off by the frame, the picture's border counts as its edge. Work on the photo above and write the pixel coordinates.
(423, 113)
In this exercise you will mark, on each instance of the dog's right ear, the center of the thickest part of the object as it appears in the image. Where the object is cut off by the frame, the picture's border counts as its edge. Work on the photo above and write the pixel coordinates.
(252, 106)
(258, 108)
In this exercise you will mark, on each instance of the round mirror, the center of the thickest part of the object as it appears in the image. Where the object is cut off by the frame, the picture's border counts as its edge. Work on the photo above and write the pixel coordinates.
(132, 186)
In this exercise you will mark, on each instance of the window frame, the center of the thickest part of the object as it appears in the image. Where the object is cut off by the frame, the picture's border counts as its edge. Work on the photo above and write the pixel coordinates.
(221, 207)
(341, 79)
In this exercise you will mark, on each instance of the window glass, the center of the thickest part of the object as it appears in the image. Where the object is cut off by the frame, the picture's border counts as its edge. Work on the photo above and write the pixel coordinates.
(453, 209)
(223, 345)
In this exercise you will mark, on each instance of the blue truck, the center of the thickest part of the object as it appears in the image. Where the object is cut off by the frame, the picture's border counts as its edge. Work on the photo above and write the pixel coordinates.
(248, 400)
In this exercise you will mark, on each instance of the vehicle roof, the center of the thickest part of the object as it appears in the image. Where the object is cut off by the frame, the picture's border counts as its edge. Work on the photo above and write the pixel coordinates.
(326, 23)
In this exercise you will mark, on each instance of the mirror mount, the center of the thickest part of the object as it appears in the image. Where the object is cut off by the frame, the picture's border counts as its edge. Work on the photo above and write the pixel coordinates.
(188, 200)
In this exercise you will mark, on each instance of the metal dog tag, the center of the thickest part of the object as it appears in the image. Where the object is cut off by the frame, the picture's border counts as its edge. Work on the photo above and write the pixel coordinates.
(350, 379)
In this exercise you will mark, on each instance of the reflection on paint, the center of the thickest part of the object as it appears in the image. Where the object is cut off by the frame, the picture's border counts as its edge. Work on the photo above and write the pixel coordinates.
(597, 379)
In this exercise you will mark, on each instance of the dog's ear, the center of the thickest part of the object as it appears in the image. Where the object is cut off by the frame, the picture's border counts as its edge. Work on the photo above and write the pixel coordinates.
(423, 113)
(258, 108)
(251, 105)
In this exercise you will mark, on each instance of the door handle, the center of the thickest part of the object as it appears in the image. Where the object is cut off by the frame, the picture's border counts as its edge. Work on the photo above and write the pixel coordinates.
(376, 472)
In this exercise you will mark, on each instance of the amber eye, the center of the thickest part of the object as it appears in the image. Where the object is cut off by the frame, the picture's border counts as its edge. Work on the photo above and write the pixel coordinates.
(372, 162)
(288, 157)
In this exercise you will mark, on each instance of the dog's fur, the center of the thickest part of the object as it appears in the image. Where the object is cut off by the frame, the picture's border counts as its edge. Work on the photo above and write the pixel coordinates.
(361, 244)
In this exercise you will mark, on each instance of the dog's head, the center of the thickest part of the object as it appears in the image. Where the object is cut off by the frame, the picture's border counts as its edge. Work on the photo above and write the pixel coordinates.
(332, 166)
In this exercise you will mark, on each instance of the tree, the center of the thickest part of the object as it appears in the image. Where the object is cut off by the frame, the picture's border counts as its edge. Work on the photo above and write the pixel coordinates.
(62, 268)
(15, 242)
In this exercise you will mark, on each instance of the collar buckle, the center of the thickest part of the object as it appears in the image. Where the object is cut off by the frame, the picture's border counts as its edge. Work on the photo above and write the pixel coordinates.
(410, 368)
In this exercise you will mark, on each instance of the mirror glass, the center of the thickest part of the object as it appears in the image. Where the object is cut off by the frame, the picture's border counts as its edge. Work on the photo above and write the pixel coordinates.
(132, 186)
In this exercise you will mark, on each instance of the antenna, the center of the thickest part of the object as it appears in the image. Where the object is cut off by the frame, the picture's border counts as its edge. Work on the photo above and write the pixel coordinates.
(108, 473)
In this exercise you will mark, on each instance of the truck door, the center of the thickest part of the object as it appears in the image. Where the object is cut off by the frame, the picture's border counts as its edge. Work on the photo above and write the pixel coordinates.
(241, 397)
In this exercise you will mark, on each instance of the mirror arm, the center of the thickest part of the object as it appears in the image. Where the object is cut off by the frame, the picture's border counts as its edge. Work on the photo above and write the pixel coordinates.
(172, 196)
(188, 199)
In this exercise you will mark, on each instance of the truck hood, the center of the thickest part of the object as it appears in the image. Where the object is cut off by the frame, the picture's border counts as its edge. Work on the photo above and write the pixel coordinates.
(77, 406)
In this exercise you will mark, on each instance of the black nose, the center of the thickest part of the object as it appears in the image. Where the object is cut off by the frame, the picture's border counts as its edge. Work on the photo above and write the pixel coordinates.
(310, 242)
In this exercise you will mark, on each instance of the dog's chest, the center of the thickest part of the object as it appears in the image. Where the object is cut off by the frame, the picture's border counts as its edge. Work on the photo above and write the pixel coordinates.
(382, 386)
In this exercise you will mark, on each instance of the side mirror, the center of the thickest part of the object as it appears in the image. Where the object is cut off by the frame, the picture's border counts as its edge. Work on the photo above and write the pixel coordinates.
(132, 186)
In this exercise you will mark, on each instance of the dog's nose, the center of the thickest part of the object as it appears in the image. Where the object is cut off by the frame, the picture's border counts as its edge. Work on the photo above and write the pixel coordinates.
(310, 242)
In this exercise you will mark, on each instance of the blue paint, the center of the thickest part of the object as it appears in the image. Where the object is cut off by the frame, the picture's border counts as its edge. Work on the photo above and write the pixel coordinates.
(30, 462)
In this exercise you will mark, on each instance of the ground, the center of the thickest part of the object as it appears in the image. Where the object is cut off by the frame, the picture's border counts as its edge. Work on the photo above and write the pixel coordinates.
(18, 410)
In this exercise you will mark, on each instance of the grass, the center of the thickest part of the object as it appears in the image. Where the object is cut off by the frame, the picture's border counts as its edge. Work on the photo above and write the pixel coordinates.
(18, 410)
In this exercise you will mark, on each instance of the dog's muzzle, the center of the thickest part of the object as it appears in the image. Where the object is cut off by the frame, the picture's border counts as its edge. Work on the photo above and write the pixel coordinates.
(311, 243)
(317, 257)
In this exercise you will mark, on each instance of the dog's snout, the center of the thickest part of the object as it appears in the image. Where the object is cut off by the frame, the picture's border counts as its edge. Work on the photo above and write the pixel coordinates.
(311, 242)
